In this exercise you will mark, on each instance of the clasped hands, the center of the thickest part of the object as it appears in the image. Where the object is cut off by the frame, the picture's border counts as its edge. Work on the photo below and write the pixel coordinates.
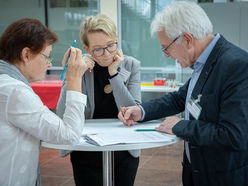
(129, 115)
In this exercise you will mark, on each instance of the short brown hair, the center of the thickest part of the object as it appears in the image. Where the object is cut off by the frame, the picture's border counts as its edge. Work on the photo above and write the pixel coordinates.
(23, 33)
(98, 23)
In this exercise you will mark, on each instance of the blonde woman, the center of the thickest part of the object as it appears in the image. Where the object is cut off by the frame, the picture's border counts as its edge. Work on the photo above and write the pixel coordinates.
(114, 82)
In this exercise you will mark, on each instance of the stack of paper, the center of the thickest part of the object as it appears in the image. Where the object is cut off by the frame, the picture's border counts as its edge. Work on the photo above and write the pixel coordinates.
(102, 139)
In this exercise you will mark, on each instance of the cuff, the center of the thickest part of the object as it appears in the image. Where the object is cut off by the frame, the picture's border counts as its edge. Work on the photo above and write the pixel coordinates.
(143, 113)
(113, 75)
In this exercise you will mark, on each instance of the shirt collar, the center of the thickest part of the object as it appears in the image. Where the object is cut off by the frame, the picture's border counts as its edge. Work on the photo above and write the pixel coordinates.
(204, 55)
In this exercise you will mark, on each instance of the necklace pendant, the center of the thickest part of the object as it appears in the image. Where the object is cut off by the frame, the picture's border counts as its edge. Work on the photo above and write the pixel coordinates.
(108, 89)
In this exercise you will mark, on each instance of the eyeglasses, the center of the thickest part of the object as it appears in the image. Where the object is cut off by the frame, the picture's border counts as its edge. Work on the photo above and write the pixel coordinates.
(165, 49)
(100, 51)
(49, 60)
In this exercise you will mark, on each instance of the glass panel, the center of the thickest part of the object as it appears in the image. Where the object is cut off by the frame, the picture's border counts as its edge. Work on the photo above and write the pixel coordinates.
(13, 10)
(136, 17)
(64, 17)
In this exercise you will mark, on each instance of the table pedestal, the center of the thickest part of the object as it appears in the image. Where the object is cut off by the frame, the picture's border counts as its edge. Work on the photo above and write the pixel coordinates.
(108, 159)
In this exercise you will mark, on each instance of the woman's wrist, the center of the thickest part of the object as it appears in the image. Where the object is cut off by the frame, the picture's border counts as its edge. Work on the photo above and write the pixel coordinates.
(113, 75)
(114, 72)
(74, 84)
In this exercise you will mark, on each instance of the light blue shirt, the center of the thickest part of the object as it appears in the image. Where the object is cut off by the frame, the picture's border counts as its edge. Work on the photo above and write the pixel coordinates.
(197, 67)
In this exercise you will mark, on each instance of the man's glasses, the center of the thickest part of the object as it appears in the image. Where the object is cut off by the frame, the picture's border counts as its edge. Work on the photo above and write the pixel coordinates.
(165, 49)
(49, 60)
(100, 51)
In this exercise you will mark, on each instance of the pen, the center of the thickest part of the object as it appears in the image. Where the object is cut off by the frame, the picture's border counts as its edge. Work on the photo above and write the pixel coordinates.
(66, 63)
(143, 130)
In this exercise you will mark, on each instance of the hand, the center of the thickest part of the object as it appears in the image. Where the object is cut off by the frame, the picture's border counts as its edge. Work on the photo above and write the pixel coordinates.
(118, 58)
(89, 62)
(167, 125)
(76, 65)
(75, 70)
(129, 115)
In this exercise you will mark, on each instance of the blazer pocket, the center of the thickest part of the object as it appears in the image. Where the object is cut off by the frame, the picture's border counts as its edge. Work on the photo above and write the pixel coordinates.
(210, 108)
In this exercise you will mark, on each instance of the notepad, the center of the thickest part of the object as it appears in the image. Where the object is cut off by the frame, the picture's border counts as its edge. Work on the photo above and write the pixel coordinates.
(103, 139)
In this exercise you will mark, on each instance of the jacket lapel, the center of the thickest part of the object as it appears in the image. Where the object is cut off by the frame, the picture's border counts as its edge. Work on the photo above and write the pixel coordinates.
(208, 67)
(88, 89)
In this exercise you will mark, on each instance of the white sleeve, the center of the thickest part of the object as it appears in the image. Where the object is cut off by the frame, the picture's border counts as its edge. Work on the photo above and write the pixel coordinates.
(26, 111)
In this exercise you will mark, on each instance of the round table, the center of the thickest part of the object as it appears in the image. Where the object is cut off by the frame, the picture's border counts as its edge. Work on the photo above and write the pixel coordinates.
(111, 125)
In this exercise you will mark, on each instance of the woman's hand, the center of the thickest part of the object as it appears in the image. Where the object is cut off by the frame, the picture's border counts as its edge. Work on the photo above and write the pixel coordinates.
(118, 58)
(75, 69)
(90, 62)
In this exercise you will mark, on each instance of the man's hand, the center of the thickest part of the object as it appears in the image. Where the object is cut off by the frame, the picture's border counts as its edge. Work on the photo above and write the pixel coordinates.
(129, 115)
(167, 125)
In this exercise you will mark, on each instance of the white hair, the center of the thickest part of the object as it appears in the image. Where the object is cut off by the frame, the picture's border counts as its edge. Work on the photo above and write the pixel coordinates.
(182, 16)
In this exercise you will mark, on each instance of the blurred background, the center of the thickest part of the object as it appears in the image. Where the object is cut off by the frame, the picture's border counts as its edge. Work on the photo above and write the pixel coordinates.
(133, 18)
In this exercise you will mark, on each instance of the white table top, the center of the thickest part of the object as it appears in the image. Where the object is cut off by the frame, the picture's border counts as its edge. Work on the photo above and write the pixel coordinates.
(165, 89)
(108, 126)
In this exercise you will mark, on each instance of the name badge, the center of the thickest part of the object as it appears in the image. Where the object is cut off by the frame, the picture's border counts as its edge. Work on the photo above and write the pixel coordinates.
(194, 108)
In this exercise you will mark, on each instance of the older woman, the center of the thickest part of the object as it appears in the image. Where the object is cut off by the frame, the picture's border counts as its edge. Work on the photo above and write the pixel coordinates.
(114, 82)
(25, 48)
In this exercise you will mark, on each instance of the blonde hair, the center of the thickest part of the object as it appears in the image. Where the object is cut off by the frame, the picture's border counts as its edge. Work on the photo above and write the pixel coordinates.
(98, 23)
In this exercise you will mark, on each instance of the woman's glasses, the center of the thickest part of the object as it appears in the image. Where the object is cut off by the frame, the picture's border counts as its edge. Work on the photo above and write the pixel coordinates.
(49, 60)
(100, 51)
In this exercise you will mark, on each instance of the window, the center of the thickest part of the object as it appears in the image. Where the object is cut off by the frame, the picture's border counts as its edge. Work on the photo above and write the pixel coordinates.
(136, 17)
(61, 16)
(65, 17)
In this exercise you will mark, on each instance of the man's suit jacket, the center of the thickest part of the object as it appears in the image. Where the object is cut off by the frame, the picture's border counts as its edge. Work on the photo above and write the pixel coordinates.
(218, 140)
(126, 90)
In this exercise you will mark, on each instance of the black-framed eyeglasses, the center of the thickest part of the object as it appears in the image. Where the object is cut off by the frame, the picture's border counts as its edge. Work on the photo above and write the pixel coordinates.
(49, 60)
(165, 49)
(100, 51)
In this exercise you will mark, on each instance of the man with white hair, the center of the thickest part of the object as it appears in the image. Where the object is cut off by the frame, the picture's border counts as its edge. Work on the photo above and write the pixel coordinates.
(215, 98)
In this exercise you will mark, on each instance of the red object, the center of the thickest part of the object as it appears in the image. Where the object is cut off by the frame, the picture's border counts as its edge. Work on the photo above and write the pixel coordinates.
(159, 82)
(48, 91)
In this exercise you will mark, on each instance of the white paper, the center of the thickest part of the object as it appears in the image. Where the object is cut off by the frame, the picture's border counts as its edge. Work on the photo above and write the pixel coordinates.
(103, 139)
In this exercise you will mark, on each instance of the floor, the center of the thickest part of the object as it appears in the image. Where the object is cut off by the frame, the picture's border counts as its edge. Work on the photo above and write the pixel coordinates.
(158, 167)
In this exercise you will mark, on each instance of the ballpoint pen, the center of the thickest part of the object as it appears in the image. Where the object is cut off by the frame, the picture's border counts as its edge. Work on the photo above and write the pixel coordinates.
(66, 63)
(144, 130)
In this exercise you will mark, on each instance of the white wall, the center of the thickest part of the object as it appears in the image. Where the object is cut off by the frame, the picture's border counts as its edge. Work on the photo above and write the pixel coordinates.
(109, 8)
(230, 20)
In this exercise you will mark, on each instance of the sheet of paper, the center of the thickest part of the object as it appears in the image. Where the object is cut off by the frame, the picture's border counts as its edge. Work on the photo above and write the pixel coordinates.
(102, 126)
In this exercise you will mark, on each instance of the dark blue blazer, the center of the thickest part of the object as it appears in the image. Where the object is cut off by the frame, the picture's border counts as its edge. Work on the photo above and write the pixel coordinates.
(218, 140)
